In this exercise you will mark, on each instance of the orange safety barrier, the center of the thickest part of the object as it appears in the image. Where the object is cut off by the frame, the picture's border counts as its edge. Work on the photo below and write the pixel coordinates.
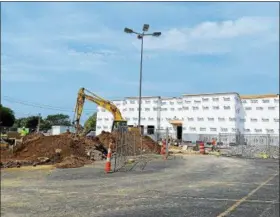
(108, 160)
(201, 148)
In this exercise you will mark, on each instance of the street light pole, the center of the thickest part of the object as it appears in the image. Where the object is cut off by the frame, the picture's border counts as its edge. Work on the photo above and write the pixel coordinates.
(140, 83)
(141, 37)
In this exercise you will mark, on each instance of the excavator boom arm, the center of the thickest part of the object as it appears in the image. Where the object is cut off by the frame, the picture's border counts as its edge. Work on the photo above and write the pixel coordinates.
(84, 94)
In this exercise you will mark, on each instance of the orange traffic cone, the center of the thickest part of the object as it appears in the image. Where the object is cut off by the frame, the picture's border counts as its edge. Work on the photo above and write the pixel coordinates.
(108, 160)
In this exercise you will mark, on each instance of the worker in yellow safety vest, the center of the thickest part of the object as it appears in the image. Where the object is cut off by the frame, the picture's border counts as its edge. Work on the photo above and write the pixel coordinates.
(23, 132)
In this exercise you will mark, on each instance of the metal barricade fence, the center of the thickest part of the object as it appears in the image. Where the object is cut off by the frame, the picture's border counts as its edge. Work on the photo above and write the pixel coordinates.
(250, 145)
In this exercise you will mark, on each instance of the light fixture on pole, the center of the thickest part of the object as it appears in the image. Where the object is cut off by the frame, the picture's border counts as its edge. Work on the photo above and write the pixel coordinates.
(141, 37)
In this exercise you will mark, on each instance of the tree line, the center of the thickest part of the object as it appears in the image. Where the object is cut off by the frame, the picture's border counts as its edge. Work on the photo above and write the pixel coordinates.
(8, 119)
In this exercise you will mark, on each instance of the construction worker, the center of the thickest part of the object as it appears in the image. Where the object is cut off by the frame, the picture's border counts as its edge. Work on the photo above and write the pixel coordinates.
(214, 147)
(23, 132)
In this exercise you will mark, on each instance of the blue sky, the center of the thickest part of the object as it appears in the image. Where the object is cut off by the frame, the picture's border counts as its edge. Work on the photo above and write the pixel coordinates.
(51, 49)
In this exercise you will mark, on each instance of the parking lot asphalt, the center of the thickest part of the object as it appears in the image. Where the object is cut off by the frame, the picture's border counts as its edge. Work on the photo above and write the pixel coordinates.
(194, 186)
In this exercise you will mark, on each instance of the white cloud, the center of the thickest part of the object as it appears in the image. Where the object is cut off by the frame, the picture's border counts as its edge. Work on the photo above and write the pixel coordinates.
(216, 37)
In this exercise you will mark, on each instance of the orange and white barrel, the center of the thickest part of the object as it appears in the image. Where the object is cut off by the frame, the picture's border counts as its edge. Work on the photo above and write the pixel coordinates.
(201, 148)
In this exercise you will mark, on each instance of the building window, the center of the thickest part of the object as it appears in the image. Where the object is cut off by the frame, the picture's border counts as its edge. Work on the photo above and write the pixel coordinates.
(172, 109)
(151, 119)
(276, 119)
(265, 100)
(244, 101)
(98, 127)
(127, 118)
(202, 129)
(237, 110)
(242, 120)
(254, 120)
(103, 110)
(185, 108)
(205, 99)
(200, 119)
(155, 109)
(180, 109)
(215, 99)
(131, 109)
(232, 119)
(271, 108)
(258, 130)
(106, 119)
(247, 130)
(143, 119)
(248, 108)
(192, 129)
(216, 107)
(179, 102)
(226, 98)
(105, 127)
(99, 119)
(254, 101)
(163, 103)
(276, 100)
(150, 130)
(163, 109)
(195, 108)
(187, 101)
(224, 129)
(147, 109)
(233, 129)
(171, 103)
(205, 108)
(147, 101)
(135, 119)
(155, 101)
(197, 101)
(212, 129)
(125, 109)
(269, 130)
(221, 119)
(210, 119)
(190, 119)
(259, 108)
(226, 107)
(265, 120)
(132, 102)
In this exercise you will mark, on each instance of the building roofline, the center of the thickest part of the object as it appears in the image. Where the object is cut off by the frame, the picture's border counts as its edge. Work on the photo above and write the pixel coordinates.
(145, 97)
(261, 96)
(211, 94)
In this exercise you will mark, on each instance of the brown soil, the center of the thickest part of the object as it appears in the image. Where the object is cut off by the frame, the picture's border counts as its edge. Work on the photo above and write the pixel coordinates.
(69, 151)
(62, 148)
(148, 144)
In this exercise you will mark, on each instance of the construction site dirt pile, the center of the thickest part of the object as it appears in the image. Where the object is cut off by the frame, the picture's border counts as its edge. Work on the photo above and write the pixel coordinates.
(148, 145)
(40, 149)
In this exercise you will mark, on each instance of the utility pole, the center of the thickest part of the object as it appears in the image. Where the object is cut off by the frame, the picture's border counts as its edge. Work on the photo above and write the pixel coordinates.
(39, 122)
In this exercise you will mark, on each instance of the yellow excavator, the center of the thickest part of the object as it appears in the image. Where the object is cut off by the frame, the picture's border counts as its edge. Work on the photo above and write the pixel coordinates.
(84, 94)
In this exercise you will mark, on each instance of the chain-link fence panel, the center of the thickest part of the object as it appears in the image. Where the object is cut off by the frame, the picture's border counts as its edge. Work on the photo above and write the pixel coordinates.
(250, 145)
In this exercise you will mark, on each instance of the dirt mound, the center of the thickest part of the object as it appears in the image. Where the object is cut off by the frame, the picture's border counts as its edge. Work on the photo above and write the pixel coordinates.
(65, 148)
(72, 162)
(134, 139)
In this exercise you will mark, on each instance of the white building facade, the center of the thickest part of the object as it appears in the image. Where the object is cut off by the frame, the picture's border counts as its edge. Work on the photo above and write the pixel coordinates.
(190, 115)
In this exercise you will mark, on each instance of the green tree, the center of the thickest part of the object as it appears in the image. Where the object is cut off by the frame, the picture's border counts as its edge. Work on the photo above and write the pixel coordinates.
(7, 116)
(90, 123)
(58, 119)
(32, 122)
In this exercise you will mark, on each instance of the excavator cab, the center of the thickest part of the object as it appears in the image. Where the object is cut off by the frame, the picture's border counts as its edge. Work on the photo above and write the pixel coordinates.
(119, 125)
